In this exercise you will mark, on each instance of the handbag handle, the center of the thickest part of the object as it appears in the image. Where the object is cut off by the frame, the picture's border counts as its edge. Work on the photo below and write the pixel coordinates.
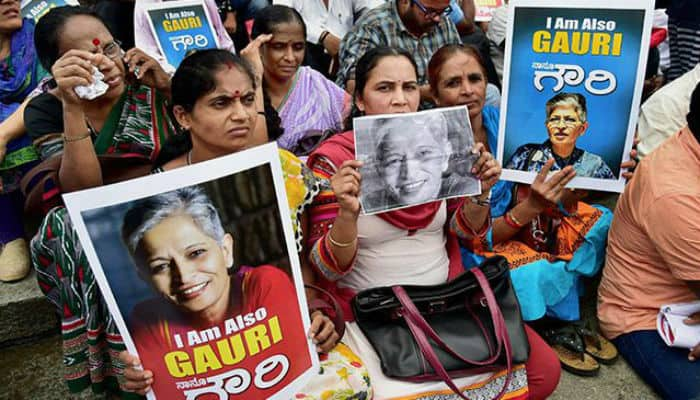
(419, 327)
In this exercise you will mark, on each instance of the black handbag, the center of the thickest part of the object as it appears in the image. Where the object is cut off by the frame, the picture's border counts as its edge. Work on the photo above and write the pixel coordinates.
(467, 326)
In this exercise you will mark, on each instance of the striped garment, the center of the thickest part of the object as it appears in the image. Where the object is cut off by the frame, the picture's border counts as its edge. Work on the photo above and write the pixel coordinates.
(684, 42)
(382, 26)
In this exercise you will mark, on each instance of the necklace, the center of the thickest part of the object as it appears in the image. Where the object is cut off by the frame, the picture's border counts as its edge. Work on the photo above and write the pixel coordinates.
(189, 157)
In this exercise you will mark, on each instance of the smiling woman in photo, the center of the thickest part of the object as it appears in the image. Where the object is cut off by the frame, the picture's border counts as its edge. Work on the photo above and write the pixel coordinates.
(566, 123)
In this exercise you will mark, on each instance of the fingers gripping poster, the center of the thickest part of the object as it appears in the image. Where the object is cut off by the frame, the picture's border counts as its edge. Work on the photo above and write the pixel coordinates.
(573, 77)
(171, 253)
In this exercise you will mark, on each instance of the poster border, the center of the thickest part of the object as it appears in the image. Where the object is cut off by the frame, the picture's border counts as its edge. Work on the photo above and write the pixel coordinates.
(607, 185)
(206, 171)
(176, 4)
(432, 110)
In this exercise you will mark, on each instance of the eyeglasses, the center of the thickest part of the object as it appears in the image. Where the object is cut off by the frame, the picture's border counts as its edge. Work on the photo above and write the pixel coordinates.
(431, 12)
(568, 121)
(113, 50)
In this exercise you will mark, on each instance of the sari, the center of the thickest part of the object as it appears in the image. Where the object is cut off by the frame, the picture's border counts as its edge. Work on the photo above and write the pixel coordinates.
(546, 282)
(20, 73)
(91, 340)
(136, 127)
(313, 103)
(413, 221)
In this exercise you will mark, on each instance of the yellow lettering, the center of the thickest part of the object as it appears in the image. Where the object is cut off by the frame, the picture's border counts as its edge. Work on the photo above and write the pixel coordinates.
(257, 340)
(560, 44)
(580, 43)
(231, 350)
(600, 44)
(617, 44)
(205, 359)
(178, 363)
(167, 26)
(275, 330)
(540, 41)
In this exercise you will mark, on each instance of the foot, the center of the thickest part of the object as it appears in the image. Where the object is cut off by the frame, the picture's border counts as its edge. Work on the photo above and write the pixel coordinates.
(14, 260)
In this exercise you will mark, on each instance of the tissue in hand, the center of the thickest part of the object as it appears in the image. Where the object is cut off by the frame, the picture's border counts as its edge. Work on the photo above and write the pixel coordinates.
(96, 89)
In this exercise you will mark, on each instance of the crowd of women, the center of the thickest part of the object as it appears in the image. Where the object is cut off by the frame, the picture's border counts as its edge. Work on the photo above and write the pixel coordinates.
(149, 121)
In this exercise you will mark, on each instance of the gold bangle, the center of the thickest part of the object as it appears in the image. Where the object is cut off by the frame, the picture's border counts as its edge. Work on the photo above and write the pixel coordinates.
(76, 139)
(338, 244)
(512, 218)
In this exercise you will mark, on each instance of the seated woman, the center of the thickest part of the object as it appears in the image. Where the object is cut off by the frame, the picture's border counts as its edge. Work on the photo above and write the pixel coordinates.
(305, 100)
(414, 245)
(144, 39)
(549, 237)
(180, 248)
(566, 122)
(128, 122)
(20, 73)
(217, 102)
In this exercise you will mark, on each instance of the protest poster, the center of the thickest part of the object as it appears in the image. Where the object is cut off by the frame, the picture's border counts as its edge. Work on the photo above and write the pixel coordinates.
(181, 26)
(573, 77)
(484, 9)
(199, 267)
(414, 158)
(36, 9)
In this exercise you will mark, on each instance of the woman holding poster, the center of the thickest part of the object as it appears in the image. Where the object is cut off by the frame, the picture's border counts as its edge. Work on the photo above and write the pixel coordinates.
(214, 98)
(414, 245)
(549, 237)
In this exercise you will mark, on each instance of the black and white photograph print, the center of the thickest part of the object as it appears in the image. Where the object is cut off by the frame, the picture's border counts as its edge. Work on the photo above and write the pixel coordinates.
(414, 158)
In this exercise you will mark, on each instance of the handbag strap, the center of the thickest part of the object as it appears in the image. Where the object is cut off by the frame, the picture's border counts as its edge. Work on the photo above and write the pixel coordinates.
(419, 327)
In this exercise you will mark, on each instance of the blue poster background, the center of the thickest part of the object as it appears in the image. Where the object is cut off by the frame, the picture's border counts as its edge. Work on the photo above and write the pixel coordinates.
(36, 9)
(608, 115)
(172, 43)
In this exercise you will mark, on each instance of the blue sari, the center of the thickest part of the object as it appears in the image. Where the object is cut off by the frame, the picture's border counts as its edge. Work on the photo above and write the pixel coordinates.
(547, 284)
(20, 73)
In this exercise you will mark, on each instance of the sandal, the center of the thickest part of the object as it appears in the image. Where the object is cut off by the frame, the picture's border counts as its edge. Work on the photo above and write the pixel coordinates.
(597, 346)
(570, 350)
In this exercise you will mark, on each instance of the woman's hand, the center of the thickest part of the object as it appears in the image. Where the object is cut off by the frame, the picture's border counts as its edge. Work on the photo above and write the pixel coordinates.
(346, 186)
(74, 68)
(322, 332)
(631, 164)
(251, 53)
(147, 70)
(486, 168)
(545, 192)
(136, 379)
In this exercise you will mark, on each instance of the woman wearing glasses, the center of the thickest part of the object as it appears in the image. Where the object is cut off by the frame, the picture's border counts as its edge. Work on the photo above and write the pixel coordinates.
(566, 122)
(128, 122)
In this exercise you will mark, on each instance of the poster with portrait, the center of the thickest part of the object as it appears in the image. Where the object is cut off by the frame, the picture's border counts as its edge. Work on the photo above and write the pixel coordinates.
(415, 158)
(484, 9)
(36, 9)
(180, 26)
(199, 267)
(573, 77)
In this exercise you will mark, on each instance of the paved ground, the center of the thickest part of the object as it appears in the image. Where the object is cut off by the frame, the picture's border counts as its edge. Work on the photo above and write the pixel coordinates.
(39, 377)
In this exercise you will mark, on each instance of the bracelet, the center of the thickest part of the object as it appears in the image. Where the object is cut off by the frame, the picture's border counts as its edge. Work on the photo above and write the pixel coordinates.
(338, 244)
(511, 221)
(322, 37)
(77, 139)
(480, 202)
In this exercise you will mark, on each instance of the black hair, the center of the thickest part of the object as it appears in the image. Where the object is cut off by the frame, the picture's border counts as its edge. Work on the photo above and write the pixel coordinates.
(196, 75)
(48, 31)
(365, 65)
(269, 17)
(193, 79)
(693, 116)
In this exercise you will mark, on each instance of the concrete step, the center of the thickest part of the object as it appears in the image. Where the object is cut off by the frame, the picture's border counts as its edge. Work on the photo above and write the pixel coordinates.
(25, 313)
